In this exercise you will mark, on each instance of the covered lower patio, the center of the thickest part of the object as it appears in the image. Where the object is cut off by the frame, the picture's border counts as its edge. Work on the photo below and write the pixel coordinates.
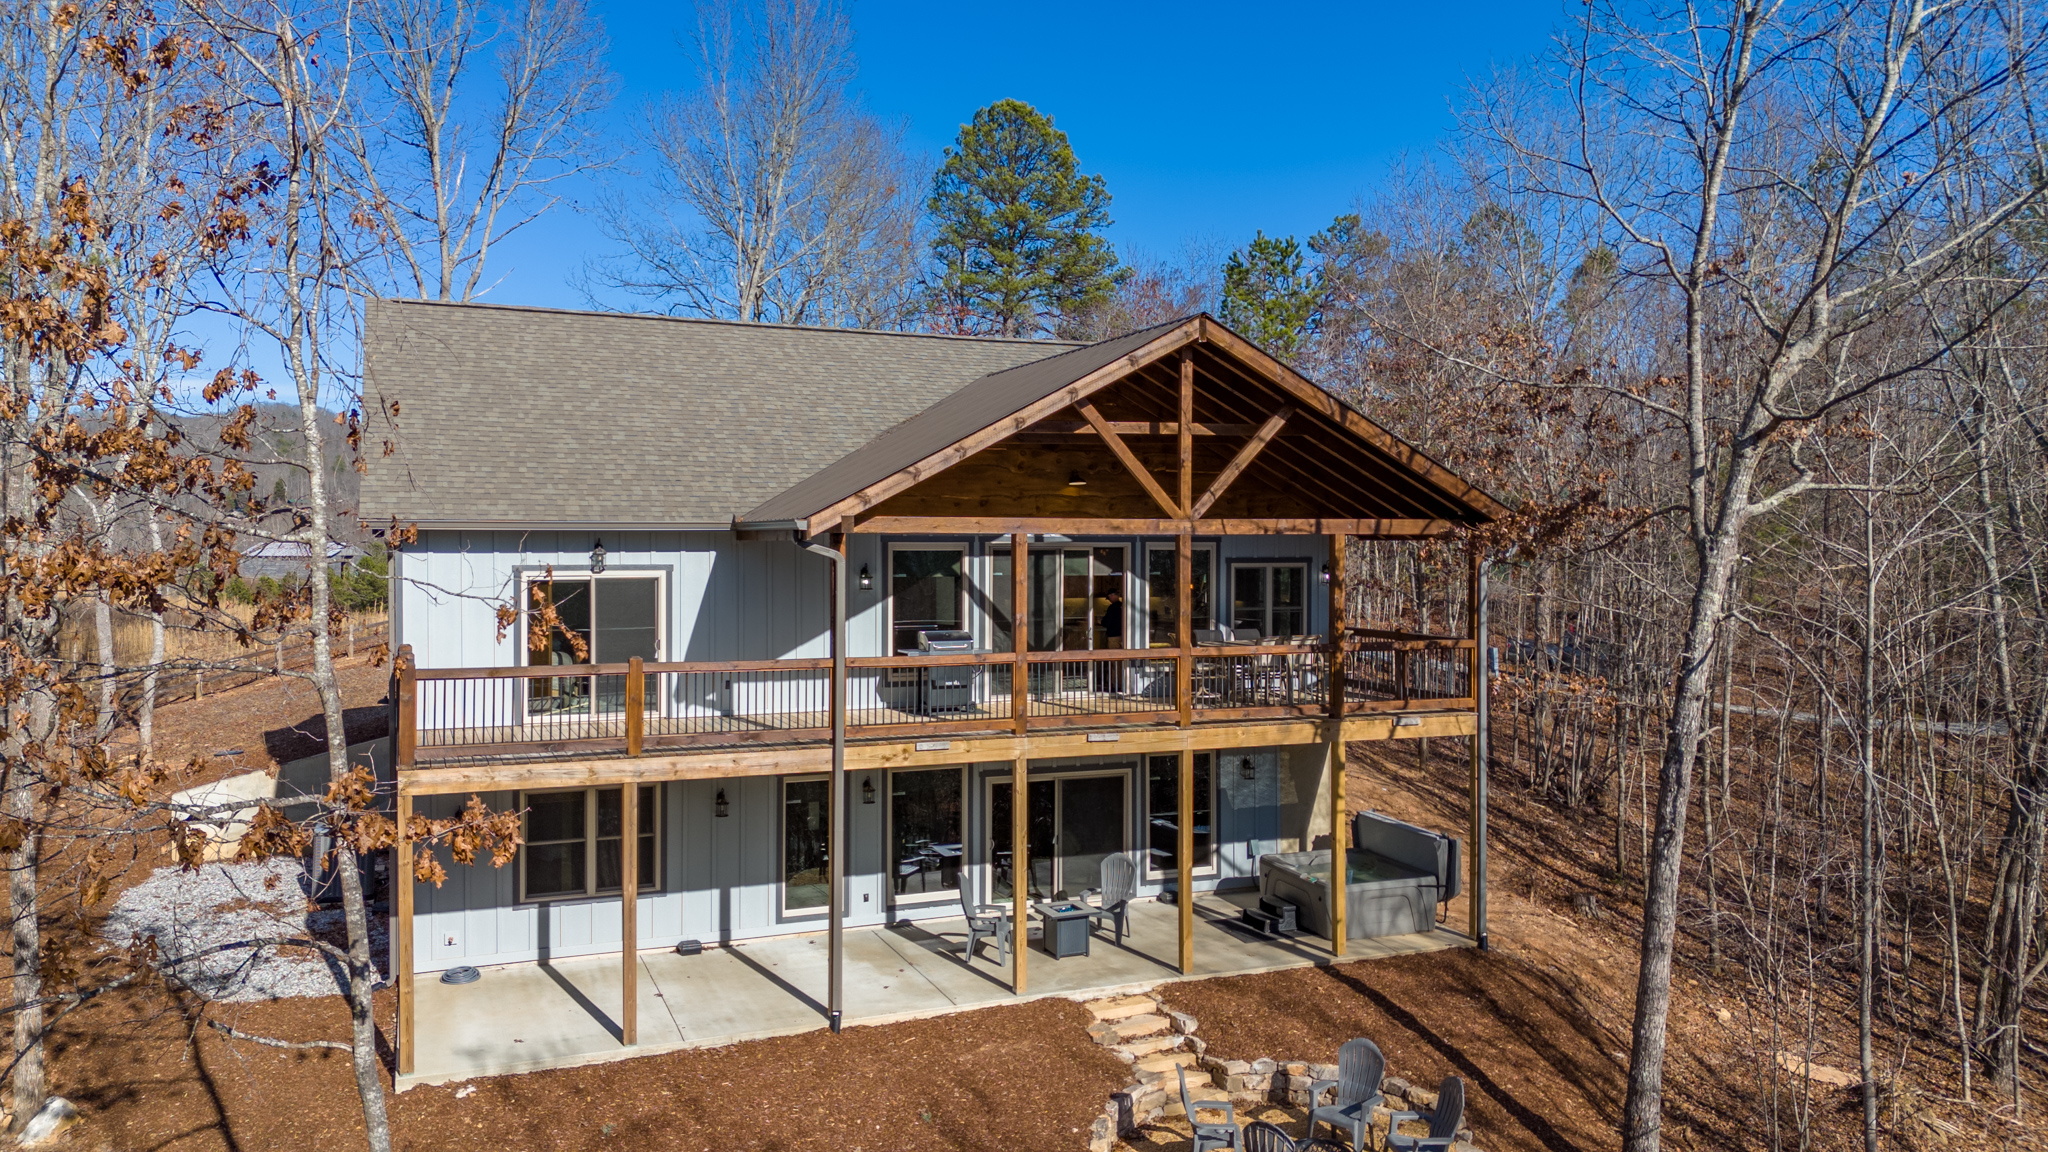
(565, 1013)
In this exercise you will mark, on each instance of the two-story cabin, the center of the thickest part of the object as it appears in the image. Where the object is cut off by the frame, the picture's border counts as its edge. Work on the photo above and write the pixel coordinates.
(804, 609)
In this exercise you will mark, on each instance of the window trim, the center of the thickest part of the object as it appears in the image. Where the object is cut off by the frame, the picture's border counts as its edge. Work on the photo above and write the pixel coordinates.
(925, 900)
(1308, 606)
(783, 909)
(889, 594)
(528, 576)
(1145, 578)
(590, 889)
(1215, 865)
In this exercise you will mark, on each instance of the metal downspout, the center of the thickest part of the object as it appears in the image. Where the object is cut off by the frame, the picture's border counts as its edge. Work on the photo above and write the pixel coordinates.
(836, 856)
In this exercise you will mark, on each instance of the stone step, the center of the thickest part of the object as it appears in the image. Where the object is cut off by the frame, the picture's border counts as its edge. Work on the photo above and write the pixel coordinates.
(1122, 1008)
(1167, 1062)
(1162, 1071)
(1134, 1027)
(1152, 1044)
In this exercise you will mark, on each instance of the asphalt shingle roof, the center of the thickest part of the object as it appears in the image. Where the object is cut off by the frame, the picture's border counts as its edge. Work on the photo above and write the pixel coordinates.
(535, 417)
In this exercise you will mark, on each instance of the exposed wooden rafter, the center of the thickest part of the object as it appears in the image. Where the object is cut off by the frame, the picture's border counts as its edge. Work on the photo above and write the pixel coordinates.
(1130, 459)
(1241, 461)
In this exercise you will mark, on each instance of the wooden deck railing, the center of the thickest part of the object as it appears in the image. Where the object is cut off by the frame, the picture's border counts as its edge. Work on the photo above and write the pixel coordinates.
(444, 713)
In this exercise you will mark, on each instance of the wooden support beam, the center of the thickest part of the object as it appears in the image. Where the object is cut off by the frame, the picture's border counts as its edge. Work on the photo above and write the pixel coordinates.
(1184, 629)
(1020, 595)
(1184, 849)
(1020, 870)
(1241, 461)
(401, 883)
(1186, 430)
(1445, 719)
(629, 914)
(636, 706)
(1136, 428)
(405, 740)
(1482, 692)
(1340, 814)
(1132, 464)
(1003, 525)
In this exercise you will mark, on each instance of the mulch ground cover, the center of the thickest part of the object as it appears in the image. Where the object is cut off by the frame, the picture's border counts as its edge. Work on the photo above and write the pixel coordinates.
(1020, 1077)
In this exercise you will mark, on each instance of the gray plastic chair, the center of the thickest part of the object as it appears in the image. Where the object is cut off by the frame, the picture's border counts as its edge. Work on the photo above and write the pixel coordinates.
(1360, 1067)
(985, 922)
(1224, 1135)
(1443, 1122)
(1113, 899)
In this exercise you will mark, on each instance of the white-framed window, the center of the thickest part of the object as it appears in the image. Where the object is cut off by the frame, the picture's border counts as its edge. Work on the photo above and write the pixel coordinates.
(927, 590)
(806, 843)
(1162, 815)
(602, 618)
(927, 834)
(1162, 599)
(1270, 599)
(571, 842)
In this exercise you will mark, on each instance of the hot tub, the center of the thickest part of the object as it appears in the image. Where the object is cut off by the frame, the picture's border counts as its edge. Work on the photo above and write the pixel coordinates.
(1394, 878)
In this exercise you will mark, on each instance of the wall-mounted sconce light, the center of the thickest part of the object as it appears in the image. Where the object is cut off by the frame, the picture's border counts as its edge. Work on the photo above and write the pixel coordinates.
(1075, 480)
(867, 579)
(1245, 770)
(597, 555)
(867, 790)
(1326, 573)
(720, 806)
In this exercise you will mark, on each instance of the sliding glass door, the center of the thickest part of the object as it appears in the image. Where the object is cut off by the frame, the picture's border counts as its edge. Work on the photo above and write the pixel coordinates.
(589, 619)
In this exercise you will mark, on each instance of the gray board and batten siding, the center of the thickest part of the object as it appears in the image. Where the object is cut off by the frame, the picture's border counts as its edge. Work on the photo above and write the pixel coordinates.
(720, 876)
(532, 418)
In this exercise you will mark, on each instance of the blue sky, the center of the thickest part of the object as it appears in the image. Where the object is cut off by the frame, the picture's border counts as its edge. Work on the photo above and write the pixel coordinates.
(1207, 121)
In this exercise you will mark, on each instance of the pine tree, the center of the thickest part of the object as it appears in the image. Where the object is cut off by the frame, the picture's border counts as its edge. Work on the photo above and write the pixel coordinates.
(1017, 244)
(1270, 295)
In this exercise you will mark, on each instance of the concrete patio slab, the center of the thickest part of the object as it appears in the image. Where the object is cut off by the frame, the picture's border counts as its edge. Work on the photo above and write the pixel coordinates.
(562, 1014)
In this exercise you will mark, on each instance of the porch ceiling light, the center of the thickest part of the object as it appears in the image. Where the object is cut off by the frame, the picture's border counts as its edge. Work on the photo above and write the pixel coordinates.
(867, 580)
(1075, 480)
(720, 806)
(597, 554)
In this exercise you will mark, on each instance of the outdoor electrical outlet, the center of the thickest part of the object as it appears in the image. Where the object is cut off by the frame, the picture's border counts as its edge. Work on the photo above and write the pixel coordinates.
(449, 942)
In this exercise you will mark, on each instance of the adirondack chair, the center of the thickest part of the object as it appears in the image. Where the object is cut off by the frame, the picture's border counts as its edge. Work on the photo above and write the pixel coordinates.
(985, 922)
(1360, 1066)
(1443, 1121)
(1207, 1136)
(1260, 1136)
(1113, 899)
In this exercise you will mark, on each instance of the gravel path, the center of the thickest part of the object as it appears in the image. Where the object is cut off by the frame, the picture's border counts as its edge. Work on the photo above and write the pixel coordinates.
(225, 903)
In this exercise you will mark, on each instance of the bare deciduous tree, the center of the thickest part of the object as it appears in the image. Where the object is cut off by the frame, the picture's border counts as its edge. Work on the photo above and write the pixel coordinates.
(449, 166)
(774, 195)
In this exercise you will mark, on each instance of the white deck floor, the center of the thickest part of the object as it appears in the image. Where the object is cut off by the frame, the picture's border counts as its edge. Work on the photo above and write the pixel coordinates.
(561, 1014)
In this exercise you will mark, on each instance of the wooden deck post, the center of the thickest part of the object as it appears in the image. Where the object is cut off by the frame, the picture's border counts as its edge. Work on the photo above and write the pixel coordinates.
(1339, 806)
(1020, 593)
(1185, 850)
(1020, 869)
(1482, 699)
(401, 936)
(405, 738)
(629, 906)
(636, 706)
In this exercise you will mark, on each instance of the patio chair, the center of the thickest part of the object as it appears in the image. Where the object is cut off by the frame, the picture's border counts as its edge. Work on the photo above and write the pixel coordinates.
(1443, 1122)
(1207, 1136)
(1360, 1067)
(1113, 899)
(985, 922)
(1261, 1136)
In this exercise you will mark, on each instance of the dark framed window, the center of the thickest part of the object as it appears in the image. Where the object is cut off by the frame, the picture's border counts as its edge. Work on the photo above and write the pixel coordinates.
(572, 839)
(927, 590)
(1163, 600)
(1162, 814)
(927, 834)
(806, 843)
(1269, 599)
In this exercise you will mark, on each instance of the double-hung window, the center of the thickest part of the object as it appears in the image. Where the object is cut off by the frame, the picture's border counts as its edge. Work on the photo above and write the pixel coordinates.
(572, 840)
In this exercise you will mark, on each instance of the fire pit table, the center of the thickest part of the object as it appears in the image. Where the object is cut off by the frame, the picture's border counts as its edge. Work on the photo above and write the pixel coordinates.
(1064, 927)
